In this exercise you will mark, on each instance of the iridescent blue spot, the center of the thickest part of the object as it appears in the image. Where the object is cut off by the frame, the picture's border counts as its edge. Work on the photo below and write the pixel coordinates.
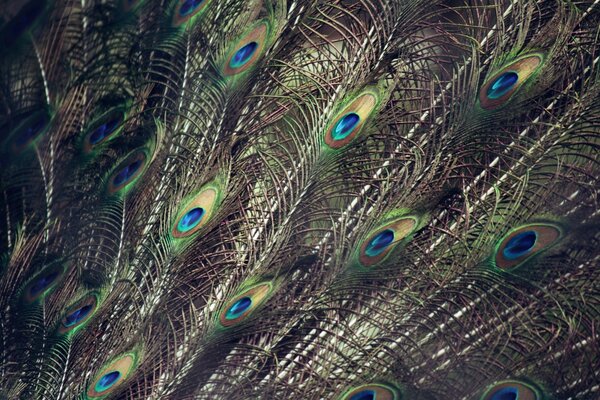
(243, 55)
(101, 132)
(379, 243)
(42, 283)
(30, 132)
(506, 393)
(77, 315)
(502, 85)
(127, 173)
(191, 219)
(238, 308)
(107, 381)
(519, 245)
(345, 126)
(364, 395)
(189, 6)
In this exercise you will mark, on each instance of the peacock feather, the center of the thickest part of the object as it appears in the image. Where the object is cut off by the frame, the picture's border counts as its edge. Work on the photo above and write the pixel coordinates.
(285, 199)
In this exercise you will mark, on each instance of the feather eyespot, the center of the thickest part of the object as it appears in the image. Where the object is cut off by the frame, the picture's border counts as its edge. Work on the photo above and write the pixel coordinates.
(247, 50)
(525, 242)
(127, 172)
(348, 123)
(185, 10)
(243, 55)
(43, 283)
(383, 240)
(112, 376)
(196, 213)
(512, 390)
(241, 306)
(103, 129)
(372, 392)
(238, 308)
(28, 131)
(79, 313)
(505, 83)
(502, 84)
(190, 219)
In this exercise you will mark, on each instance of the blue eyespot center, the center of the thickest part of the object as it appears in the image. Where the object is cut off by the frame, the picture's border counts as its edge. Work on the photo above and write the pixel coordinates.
(189, 6)
(32, 130)
(238, 308)
(502, 85)
(127, 173)
(107, 381)
(506, 393)
(102, 131)
(364, 395)
(243, 55)
(519, 245)
(42, 283)
(345, 126)
(191, 219)
(379, 243)
(77, 315)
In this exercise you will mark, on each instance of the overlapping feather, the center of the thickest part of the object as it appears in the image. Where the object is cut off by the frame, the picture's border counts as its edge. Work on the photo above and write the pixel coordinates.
(300, 200)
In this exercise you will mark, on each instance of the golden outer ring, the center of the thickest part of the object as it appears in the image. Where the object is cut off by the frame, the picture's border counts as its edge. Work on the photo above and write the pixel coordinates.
(524, 67)
(363, 106)
(258, 294)
(546, 236)
(402, 228)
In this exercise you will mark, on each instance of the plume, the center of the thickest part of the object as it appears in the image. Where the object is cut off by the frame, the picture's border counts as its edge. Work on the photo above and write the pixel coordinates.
(285, 199)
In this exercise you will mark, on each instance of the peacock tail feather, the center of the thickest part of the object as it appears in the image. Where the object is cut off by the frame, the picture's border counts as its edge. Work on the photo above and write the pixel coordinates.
(279, 199)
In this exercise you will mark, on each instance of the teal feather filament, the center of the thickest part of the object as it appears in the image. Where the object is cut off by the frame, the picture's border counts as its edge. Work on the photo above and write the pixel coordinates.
(271, 199)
